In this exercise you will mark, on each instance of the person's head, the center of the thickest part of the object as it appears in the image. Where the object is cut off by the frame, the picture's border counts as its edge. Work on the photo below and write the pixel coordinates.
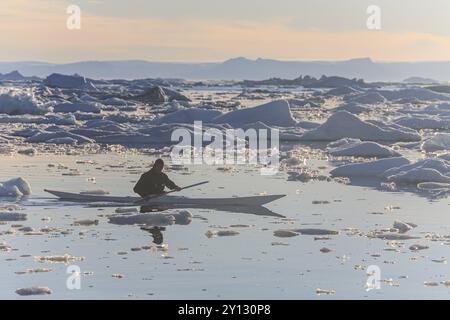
(158, 165)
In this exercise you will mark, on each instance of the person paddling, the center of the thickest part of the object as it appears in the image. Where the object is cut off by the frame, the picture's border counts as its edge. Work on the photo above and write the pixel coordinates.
(154, 181)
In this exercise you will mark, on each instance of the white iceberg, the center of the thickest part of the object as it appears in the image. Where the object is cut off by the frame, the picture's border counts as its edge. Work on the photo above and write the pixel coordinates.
(343, 124)
(275, 113)
(15, 188)
(427, 170)
(424, 122)
(14, 103)
(440, 141)
(357, 148)
(373, 169)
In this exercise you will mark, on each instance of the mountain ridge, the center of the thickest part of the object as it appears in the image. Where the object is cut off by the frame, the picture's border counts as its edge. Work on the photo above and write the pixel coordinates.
(239, 68)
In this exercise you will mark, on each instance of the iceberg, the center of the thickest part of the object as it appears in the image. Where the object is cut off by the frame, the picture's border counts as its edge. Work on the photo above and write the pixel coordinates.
(357, 148)
(343, 124)
(15, 103)
(275, 113)
(373, 169)
(440, 141)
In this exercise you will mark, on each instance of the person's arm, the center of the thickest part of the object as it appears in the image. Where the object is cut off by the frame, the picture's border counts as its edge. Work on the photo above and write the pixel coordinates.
(170, 184)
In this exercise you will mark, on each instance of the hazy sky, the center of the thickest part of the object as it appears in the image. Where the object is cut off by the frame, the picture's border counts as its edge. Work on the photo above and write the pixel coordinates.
(209, 30)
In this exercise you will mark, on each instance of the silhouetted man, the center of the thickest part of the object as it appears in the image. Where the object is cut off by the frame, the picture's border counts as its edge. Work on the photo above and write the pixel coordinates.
(154, 181)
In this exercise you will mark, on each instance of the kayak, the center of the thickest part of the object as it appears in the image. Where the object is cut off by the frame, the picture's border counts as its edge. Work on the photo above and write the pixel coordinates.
(165, 200)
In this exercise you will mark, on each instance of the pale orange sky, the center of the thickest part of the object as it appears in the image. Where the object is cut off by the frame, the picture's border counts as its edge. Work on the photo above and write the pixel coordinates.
(36, 30)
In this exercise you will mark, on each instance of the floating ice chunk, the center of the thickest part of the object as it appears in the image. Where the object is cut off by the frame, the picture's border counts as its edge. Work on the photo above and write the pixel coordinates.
(417, 247)
(21, 103)
(320, 292)
(343, 124)
(285, 233)
(316, 232)
(33, 291)
(58, 259)
(15, 188)
(369, 169)
(362, 149)
(28, 152)
(86, 222)
(430, 284)
(39, 270)
(402, 226)
(12, 216)
(419, 175)
(275, 113)
(393, 236)
(440, 141)
(221, 233)
(433, 186)
(424, 122)
(183, 217)
(5, 247)
(427, 170)
(68, 82)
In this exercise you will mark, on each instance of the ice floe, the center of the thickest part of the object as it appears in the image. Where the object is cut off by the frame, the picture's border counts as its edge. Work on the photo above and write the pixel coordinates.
(275, 113)
(15, 188)
(33, 291)
(440, 141)
(14, 103)
(369, 169)
(343, 124)
(357, 148)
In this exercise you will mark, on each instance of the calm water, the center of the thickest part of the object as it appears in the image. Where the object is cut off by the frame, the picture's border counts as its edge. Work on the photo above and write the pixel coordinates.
(252, 264)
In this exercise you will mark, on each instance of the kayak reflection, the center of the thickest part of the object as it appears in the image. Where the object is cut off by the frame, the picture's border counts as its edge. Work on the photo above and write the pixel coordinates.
(256, 210)
(153, 220)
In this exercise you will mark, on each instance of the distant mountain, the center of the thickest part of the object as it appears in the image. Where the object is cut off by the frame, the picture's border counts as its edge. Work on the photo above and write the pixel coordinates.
(13, 75)
(238, 69)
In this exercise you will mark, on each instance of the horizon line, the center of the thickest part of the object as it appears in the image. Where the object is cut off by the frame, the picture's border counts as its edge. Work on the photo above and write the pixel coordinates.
(222, 61)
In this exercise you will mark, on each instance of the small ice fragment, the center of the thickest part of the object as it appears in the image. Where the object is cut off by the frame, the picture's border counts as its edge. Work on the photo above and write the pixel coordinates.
(12, 216)
(417, 247)
(33, 291)
(86, 222)
(320, 292)
(220, 233)
(58, 259)
(284, 233)
(316, 232)
(430, 284)
(402, 226)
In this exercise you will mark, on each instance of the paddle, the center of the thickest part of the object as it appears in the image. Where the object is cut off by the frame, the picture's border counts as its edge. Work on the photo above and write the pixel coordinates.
(164, 193)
